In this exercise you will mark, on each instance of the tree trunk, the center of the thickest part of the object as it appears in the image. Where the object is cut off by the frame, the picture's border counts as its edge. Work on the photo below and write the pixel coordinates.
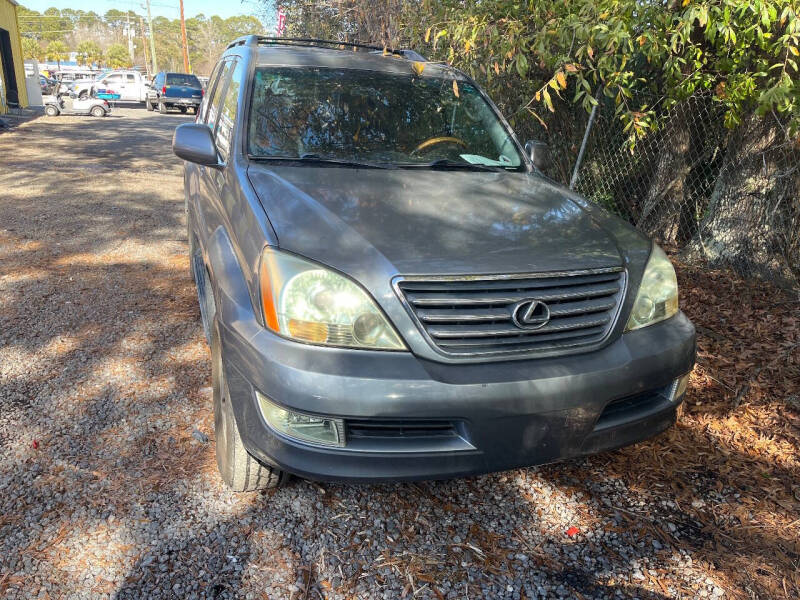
(753, 217)
(665, 213)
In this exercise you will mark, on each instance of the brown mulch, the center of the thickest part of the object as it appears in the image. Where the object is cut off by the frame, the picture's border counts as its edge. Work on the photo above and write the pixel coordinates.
(738, 440)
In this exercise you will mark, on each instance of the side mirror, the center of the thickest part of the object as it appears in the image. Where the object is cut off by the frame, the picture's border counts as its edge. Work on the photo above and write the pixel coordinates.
(539, 153)
(195, 143)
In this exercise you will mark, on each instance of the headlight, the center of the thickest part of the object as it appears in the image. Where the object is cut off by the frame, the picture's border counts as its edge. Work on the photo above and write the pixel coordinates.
(305, 301)
(657, 298)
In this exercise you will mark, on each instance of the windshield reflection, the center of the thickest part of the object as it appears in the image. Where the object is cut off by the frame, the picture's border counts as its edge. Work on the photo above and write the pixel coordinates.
(354, 115)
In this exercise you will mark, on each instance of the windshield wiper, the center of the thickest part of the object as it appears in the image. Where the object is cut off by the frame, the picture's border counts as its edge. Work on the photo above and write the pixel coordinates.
(446, 163)
(311, 157)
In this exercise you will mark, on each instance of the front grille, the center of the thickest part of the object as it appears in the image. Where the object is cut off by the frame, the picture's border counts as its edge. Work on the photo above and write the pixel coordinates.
(372, 428)
(472, 315)
(630, 408)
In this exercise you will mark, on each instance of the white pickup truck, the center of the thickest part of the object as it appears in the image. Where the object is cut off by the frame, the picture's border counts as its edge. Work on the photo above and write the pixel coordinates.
(130, 85)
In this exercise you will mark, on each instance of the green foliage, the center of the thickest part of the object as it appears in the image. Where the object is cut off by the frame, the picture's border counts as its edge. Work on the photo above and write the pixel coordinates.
(117, 56)
(746, 52)
(31, 49)
(89, 53)
(57, 51)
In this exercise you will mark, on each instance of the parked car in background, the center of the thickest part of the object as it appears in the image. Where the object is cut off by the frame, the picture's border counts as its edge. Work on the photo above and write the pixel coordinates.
(66, 102)
(392, 290)
(174, 90)
(130, 85)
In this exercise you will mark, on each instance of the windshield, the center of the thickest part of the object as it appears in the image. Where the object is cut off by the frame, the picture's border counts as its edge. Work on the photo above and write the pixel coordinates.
(182, 79)
(368, 116)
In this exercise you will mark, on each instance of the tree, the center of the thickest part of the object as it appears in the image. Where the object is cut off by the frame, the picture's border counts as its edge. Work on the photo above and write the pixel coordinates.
(89, 53)
(57, 51)
(54, 25)
(117, 56)
(31, 48)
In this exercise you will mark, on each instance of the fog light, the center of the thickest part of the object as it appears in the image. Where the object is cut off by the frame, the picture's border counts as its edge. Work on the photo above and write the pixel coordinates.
(678, 387)
(301, 426)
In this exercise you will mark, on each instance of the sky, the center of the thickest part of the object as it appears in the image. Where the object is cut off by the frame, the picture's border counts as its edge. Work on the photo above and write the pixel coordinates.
(163, 8)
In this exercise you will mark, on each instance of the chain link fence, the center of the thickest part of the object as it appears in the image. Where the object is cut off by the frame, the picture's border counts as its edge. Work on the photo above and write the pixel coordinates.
(721, 196)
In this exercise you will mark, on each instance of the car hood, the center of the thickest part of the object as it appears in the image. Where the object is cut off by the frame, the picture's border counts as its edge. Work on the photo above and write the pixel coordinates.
(431, 221)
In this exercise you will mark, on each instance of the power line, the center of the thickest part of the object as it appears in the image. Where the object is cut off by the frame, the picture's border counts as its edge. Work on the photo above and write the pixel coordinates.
(47, 31)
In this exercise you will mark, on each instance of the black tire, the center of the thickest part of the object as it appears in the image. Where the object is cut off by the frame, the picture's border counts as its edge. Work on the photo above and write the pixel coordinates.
(182, 109)
(240, 471)
(162, 108)
(148, 105)
(51, 111)
(98, 111)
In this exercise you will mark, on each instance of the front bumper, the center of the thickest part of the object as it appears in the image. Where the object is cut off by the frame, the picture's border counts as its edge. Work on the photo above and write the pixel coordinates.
(500, 415)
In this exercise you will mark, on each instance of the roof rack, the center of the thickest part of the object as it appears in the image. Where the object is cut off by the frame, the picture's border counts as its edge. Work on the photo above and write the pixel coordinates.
(262, 40)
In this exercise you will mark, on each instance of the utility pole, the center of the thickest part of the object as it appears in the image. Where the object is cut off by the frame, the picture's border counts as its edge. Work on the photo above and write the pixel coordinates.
(185, 47)
(129, 34)
(152, 39)
(144, 48)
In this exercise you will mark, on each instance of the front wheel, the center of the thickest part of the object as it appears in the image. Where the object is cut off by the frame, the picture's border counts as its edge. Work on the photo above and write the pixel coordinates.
(51, 111)
(98, 111)
(240, 471)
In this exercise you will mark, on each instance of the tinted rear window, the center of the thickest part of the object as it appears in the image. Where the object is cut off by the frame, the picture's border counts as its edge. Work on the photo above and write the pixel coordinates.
(182, 79)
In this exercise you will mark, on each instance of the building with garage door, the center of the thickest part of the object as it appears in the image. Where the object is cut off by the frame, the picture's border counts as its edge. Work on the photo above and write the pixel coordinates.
(12, 69)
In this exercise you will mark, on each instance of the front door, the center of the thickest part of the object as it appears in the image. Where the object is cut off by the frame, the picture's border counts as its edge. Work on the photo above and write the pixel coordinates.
(131, 89)
(115, 82)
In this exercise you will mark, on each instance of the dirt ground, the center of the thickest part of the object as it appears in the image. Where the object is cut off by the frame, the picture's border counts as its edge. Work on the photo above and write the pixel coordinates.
(108, 483)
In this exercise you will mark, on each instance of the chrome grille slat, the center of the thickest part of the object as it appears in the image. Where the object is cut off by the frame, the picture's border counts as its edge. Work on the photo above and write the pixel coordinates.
(472, 315)
(442, 299)
(529, 349)
(498, 330)
(467, 314)
(439, 315)
(522, 339)
(509, 284)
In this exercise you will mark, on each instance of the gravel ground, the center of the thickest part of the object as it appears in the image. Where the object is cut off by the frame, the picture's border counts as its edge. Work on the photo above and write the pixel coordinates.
(109, 485)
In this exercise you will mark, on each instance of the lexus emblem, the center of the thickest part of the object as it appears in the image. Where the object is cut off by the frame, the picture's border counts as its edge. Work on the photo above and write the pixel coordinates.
(530, 314)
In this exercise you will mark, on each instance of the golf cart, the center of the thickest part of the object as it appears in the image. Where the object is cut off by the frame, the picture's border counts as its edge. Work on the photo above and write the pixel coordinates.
(64, 102)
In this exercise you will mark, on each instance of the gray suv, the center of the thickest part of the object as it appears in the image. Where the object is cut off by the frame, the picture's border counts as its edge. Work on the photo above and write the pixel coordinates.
(392, 290)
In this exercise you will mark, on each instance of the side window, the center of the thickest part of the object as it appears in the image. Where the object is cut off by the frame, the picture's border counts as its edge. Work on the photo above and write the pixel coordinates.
(209, 90)
(131, 78)
(228, 110)
(216, 96)
(115, 78)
